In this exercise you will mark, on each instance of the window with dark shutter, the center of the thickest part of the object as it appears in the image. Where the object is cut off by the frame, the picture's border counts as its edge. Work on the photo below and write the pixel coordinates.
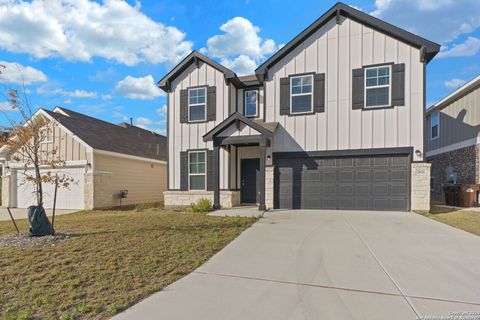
(358, 87)
(284, 96)
(319, 93)
(398, 84)
(211, 103)
(184, 170)
(183, 106)
(210, 167)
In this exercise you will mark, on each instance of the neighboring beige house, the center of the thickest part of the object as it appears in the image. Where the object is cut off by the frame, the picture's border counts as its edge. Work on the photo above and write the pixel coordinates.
(101, 157)
(333, 120)
(453, 142)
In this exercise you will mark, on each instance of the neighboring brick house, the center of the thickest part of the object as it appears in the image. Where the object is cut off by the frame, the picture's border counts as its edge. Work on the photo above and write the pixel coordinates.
(453, 143)
(333, 120)
(102, 158)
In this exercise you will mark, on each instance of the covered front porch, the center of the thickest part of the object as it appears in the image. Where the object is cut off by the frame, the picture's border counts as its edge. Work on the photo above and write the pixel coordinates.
(250, 171)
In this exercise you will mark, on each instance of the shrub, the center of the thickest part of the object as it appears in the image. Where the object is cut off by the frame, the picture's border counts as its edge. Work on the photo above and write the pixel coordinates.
(201, 206)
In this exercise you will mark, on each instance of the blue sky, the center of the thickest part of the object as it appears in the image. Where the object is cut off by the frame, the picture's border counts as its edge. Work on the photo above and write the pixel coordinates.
(102, 58)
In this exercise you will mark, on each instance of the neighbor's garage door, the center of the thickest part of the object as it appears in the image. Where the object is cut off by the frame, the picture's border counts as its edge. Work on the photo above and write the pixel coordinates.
(350, 183)
(67, 198)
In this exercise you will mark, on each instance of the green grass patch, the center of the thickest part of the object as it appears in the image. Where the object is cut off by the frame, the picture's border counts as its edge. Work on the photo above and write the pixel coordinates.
(115, 259)
(461, 219)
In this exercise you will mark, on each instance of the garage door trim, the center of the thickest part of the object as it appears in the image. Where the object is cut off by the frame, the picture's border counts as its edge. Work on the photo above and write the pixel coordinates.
(407, 152)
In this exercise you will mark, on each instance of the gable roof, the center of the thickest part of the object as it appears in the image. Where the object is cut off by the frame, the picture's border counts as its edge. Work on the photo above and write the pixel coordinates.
(102, 135)
(266, 129)
(341, 9)
(193, 57)
(467, 87)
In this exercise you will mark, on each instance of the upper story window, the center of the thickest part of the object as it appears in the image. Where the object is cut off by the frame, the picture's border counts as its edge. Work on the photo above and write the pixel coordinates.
(301, 94)
(196, 170)
(251, 103)
(197, 104)
(434, 125)
(377, 86)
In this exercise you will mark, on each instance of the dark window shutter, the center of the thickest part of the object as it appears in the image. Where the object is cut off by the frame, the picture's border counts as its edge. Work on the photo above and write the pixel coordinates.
(319, 92)
(398, 84)
(211, 103)
(184, 170)
(284, 96)
(358, 87)
(210, 166)
(183, 106)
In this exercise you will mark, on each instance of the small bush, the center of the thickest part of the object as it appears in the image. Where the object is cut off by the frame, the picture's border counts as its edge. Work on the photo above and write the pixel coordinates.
(202, 206)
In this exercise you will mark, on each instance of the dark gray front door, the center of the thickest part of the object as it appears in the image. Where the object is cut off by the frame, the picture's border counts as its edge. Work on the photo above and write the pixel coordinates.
(350, 183)
(250, 169)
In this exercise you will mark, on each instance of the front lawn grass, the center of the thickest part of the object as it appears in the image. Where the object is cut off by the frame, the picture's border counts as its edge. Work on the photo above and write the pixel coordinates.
(461, 219)
(116, 259)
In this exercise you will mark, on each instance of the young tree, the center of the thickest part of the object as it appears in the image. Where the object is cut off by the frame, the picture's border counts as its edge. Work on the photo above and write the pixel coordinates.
(26, 136)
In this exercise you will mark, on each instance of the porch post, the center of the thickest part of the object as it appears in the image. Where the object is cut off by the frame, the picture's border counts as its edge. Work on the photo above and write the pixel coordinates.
(216, 177)
(261, 196)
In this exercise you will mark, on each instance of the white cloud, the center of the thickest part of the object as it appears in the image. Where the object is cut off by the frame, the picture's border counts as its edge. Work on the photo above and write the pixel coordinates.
(5, 106)
(15, 73)
(240, 47)
(438, 20)
(469, 48)
(106, 96)
(75, 94)
(78, 30)
(143, 121)
(454, 83)
(138, 88)
(162, 111)
(242, 64)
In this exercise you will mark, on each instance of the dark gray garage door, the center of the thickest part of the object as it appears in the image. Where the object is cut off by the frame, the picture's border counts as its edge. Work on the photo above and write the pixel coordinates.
(355, 183)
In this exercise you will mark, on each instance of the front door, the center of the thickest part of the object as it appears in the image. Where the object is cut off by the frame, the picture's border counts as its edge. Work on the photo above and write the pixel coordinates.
(250, 169)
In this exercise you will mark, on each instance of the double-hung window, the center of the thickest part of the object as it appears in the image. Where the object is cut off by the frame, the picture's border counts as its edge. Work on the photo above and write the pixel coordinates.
(196, 170)
(435, 125)
(197, 104)
(251, 103)
(301, 94)
(378, 86)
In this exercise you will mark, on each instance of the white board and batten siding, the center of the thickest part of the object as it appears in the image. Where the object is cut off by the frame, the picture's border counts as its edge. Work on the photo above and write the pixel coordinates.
(336, 49)
(188, 136)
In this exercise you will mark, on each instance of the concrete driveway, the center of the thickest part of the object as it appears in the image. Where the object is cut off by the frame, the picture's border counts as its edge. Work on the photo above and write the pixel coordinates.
(18, 213)
(330, 265)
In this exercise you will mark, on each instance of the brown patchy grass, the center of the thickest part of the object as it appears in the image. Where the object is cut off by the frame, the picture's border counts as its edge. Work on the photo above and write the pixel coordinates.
(116, 259)
(461, 219)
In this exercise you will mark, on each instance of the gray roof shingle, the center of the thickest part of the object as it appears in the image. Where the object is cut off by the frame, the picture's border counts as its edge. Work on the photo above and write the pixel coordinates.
(102, 135)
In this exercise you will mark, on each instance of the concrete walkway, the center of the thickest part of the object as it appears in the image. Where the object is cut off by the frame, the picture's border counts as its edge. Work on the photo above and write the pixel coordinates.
(330, 265)
(23, 213)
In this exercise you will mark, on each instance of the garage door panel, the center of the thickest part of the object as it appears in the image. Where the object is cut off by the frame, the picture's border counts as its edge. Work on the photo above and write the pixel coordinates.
(364, 183)
(67, 198)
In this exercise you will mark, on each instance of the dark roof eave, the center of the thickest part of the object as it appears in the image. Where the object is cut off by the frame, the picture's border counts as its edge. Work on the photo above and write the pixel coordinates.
(431, 48)
(194, 57)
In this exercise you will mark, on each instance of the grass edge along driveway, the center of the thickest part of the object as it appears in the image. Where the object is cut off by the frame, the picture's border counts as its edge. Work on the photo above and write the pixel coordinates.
(461, 219)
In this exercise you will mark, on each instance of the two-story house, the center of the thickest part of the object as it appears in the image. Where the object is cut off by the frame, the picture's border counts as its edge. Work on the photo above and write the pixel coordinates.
(453, 143)
(333, 120)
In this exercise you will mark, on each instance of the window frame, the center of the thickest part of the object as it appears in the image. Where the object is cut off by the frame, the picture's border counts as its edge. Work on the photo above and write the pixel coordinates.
(197, 174)
(365, 88)
(245, 103)
(311, 75)
(438, 125)
(197, 104)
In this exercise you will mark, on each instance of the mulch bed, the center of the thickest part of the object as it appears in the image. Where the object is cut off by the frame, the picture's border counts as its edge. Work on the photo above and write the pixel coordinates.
(23, 240)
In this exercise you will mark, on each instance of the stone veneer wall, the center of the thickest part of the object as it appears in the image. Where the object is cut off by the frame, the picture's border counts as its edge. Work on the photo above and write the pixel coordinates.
(465, 162)
(420, 186)
(228, 199)
(269, 187)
